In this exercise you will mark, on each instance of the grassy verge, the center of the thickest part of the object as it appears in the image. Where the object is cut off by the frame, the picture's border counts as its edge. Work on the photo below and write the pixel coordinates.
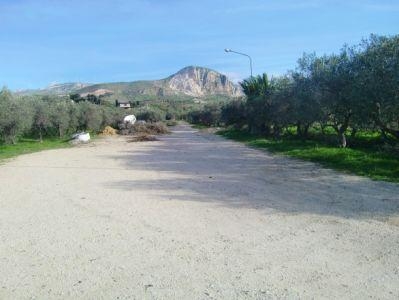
(25, 146)
(363, 161)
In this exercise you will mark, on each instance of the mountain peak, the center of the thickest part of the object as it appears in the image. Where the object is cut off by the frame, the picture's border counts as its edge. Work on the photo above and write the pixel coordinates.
(191, 68)
(193, 81)
(200, 81)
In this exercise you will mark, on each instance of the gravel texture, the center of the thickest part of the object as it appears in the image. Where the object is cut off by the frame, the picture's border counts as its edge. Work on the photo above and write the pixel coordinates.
(192, 216)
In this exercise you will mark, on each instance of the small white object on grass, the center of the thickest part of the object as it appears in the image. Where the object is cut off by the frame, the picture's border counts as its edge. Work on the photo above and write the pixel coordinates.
(83, 137)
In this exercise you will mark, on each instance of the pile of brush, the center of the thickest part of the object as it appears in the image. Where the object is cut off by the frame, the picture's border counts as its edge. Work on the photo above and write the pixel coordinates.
(142, 138)
(144, 131)
(144, 128)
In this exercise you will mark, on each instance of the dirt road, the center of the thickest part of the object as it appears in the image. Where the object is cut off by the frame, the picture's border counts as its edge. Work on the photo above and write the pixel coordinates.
(192, 216)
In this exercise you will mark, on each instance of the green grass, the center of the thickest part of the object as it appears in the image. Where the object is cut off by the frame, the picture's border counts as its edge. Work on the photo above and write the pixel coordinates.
(361, 160)
(27, 145)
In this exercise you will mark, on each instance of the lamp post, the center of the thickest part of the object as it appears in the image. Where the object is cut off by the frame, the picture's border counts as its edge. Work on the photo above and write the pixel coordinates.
(250, 59)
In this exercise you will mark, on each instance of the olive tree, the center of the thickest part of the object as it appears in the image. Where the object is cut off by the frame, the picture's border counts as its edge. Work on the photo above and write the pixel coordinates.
(41, 117)
(90, 116)
(15, 118)
(333, 77)
(61, 117)
(378, 82)
(233, 113)
(306, 97)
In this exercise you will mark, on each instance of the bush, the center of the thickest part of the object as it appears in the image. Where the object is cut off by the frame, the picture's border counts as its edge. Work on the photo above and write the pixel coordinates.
(51, 116)
(149, 116)
(233, 113)
(209, 115)
(171, 123)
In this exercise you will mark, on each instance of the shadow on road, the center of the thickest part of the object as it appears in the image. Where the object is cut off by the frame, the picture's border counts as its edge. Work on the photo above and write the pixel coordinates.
(207, 168)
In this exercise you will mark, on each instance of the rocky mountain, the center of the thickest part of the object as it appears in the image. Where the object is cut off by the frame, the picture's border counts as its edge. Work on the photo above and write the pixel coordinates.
(192, 81)
(199, 81)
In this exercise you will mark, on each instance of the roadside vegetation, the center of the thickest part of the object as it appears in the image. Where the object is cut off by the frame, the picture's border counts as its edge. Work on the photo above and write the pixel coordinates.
(45, 117)
(340, 110)
(367, 157)
(30, 123)
(26, 145)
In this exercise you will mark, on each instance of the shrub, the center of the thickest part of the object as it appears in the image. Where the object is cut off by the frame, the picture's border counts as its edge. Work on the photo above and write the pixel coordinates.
(149, 116)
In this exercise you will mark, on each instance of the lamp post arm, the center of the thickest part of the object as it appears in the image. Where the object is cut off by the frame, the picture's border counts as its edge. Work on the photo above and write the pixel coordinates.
(250, 59)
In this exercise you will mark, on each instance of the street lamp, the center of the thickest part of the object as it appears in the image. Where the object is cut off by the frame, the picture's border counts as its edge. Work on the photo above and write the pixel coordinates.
(250, 59)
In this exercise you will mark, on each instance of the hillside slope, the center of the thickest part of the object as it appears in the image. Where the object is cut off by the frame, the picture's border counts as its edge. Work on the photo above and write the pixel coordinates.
(190, 81)
(56, 89)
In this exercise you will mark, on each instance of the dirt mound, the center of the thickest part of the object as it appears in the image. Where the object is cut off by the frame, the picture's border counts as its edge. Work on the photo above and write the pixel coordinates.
(108, 130)
(142, 138)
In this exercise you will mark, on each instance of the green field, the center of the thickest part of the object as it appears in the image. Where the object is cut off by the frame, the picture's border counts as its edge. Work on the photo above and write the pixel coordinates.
(26, 145)
(363, 159)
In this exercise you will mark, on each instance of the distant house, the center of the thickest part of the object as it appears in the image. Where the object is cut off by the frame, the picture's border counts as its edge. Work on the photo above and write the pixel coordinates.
(123, 104)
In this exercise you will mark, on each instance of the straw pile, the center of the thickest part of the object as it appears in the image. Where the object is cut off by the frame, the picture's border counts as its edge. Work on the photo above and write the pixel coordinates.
(108, 130)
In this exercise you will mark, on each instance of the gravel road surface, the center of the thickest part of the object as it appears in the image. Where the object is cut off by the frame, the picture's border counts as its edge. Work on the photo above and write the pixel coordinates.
(192, 216)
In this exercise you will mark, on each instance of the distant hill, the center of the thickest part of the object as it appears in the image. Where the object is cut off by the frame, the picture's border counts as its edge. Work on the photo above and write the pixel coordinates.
(57, 89)
(190, 81)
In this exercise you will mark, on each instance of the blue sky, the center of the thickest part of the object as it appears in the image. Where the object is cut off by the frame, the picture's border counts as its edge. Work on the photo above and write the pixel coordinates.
(47, 41)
